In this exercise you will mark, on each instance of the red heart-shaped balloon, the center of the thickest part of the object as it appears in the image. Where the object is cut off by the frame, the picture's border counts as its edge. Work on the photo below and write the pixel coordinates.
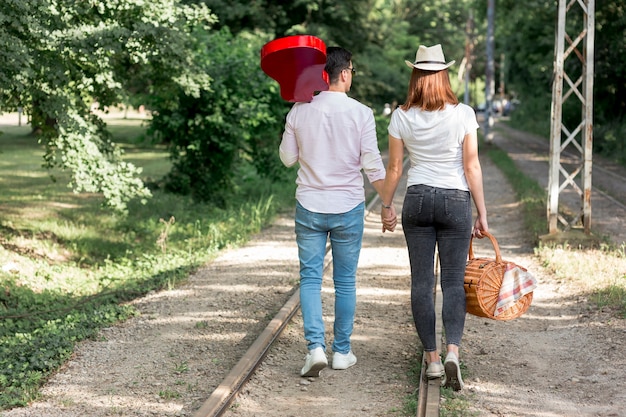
(297, 64)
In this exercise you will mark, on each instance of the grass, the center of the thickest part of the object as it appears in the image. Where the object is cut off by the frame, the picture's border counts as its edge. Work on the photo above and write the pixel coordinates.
(413, 374)
(527, 190)
(67, 266)
(599, 273)
(455, 404)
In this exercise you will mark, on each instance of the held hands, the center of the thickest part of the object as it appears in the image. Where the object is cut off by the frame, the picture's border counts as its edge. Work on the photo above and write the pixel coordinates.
(389, 218)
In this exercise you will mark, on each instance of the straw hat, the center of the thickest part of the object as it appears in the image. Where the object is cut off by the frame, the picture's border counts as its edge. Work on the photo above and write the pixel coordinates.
(429, 59)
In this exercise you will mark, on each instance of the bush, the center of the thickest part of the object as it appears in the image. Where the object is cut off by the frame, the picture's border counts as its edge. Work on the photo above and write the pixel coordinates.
(238, 121)
(609, 140)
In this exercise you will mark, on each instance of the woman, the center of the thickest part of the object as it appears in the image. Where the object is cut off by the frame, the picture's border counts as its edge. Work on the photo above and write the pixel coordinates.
(439, 134)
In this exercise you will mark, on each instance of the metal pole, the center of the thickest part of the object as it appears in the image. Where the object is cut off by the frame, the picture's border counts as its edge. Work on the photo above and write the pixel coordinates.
(489, 81)
(469, 46)
(588, 53)
(562, 136)
(556, 113)
(502, 91)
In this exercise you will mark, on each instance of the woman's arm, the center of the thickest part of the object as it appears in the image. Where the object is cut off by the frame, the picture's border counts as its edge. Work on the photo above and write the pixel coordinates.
(474, 176)
(392, 178)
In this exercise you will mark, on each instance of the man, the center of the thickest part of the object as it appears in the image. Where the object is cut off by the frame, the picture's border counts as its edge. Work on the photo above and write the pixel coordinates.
(332, 137)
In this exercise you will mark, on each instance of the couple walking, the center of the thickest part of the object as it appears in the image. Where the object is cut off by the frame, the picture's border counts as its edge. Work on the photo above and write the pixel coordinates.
(333, 138)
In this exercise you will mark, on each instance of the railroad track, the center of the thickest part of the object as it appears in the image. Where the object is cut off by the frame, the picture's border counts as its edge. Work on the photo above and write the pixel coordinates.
(608, 177)
(104, 376)
(429, 389)
(223, 396)
(226, 392)
(608, 199)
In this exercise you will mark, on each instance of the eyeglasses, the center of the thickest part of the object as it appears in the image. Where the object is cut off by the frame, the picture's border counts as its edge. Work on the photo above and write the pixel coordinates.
(351, 69)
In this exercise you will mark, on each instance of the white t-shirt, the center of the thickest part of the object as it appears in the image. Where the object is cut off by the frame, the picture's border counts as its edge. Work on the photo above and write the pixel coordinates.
(434, 140)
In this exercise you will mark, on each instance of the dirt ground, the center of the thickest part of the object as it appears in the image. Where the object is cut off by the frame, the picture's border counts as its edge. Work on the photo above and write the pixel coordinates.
(562, 358)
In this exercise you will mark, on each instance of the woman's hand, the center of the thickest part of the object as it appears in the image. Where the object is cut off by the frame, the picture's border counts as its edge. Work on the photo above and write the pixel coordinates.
(480, 225)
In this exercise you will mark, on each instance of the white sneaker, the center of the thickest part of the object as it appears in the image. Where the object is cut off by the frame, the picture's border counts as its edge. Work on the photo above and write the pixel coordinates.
(343, 360)
(315, 361)
(452, 377)
(434, 370)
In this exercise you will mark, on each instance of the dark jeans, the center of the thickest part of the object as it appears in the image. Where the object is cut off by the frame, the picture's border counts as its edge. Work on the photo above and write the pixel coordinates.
(443, 217)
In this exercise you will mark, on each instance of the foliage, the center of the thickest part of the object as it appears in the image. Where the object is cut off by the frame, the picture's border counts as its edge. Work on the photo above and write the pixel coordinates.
(32, 345)
(413, 374)
(382, 122)
(533, 115)
(339, 22)
(78, 263)
(154, 53)
(210, 134)
(525, 34)
(613, 296)
(609, 63)
(58, 56)
(457, 404)
(380, 33)
(609, 83)
(610, 139)
(239, 119)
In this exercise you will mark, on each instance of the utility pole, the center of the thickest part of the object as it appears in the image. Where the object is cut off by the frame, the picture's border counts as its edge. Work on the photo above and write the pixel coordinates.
(489, 76)
(502, 81)
(578, 140)
(469, 50)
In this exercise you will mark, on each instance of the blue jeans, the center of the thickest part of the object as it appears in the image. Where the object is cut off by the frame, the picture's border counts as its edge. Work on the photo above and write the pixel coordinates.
(443, 217)
(346, 234)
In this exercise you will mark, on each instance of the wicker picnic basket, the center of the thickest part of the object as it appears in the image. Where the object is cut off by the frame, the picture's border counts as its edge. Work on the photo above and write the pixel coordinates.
(483, 278)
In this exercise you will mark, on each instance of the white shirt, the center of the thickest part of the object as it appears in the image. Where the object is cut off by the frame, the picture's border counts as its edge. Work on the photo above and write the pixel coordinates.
(434, 140)
(333, 137)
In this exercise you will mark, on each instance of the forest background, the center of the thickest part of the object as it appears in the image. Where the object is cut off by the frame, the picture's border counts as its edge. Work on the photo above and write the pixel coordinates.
(195, 65)
(149, 202)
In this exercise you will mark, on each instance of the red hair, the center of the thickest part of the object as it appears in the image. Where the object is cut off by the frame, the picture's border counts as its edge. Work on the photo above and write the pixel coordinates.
(429, 90)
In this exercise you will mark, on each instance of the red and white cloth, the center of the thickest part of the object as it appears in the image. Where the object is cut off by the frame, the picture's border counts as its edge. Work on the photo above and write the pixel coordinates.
(516, 283)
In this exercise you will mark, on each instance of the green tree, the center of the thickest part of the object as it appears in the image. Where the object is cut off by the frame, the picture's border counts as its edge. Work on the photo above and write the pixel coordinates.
(525, 34)
(380, 33)
(57, 56)
(395, 30)
(236, 121)
(339, 21)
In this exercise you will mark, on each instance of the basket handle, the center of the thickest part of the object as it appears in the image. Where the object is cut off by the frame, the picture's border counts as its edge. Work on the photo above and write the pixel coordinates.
(494, 242)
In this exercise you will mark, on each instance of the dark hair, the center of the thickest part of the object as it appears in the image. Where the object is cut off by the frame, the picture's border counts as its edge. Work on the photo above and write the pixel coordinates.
(429, 90)
(337, 59)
